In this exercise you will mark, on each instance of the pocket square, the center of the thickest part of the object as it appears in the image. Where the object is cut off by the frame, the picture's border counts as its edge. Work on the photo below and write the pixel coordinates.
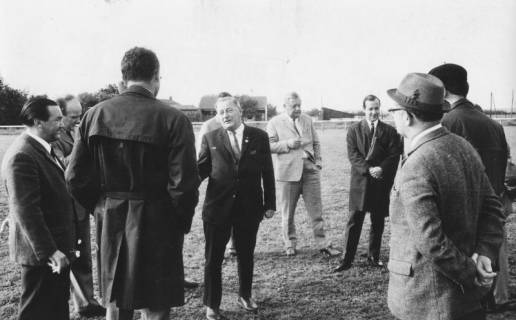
(253, 152)
(213, 148)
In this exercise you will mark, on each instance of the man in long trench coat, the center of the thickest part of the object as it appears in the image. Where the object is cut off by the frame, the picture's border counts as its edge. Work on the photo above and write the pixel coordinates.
(134, 163)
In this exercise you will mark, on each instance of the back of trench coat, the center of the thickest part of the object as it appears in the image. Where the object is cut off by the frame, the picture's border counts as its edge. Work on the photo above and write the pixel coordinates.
(134, 164)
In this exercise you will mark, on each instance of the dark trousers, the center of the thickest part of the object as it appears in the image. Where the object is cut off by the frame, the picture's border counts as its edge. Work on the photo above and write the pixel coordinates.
(81, 271)
(217, 236)
(475, 315)
(354, 228)
(44, 294)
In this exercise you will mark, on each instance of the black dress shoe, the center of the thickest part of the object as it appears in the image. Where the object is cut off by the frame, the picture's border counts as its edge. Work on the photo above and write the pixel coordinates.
(247, 304)
(373, 262)
(190, 284)
(93, 310)
(344, 265)
(215, 316)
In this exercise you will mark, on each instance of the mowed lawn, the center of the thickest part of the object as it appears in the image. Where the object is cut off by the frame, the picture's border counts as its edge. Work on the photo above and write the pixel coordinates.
(301, 287)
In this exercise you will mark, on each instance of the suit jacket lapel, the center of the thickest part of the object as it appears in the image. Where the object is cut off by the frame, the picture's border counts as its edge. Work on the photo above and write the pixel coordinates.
(364, 135)
(290, 124)
(223, 136)
(36, 145)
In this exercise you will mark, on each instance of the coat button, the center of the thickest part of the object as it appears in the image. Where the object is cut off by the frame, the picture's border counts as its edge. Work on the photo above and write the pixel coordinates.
(234, 196)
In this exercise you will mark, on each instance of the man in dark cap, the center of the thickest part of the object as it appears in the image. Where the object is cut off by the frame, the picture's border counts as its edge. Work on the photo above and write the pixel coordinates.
(446, 220)
(468, 121)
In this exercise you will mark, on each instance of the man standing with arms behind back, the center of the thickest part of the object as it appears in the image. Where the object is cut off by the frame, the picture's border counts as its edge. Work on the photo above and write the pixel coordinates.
(81, 269)
(41, 214)
(374, 149)
(297, 167)
(134, 162)
(446, 220)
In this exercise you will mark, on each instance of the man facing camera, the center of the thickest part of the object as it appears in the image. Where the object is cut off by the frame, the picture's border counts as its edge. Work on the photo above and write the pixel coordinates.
(446, 220)
(41, 214)
(297, 168)
(374, 149)
(237, 160)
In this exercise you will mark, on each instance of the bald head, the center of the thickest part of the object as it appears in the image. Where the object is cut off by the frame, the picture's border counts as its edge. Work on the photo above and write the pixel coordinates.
(72, 110)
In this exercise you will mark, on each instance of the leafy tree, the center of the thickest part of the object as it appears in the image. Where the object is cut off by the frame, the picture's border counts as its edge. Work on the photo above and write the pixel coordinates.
(271, 111)
(87, 100)
(11, 103)
(249, 106)
(108, 92)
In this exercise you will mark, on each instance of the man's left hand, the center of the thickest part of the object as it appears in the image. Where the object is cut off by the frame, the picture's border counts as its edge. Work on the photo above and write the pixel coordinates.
(376, 172)
(485, 274)
(269, 213)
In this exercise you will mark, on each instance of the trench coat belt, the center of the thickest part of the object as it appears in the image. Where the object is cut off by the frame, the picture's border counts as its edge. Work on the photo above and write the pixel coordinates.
(128, 195)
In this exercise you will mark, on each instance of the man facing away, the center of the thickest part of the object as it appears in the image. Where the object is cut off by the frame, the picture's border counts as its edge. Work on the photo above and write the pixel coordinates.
(295, 144)
(237, 160)
(42, 229)
(374, 149)
(81, 269)
(134, 162)
(446, 220)
(488, 138)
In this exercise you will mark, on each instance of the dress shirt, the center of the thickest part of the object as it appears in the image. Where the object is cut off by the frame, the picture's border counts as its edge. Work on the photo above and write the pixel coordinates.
(239, 134)
(372, 122)
(45, 144)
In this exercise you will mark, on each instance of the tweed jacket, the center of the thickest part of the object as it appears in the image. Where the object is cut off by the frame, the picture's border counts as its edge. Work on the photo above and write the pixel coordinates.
(486, 136)
(443, 209)
(242, 180)
(288, 163)
(365, 192)
(40, 208)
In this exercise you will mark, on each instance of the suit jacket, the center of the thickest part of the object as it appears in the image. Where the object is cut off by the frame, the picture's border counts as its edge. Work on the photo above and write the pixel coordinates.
(232, 182)
(288, 163)
(486, 136)
(40, 208)
(365, 192)
(63, 148)
(443, 209)
(134, 163)
(207, 126)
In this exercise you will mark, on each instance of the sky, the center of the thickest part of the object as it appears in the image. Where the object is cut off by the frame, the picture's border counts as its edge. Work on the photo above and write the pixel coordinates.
(333, 53)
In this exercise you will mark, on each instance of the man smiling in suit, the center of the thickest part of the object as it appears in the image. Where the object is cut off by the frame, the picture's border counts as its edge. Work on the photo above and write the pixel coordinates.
(42, 230)
(237, 160)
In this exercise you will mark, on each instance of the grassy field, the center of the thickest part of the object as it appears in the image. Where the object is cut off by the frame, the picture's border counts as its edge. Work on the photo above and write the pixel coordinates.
(301, 287)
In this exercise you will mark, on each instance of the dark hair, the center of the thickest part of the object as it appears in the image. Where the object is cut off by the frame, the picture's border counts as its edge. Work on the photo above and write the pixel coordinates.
(139, 64)
(425, 116)
(369, 97)
(224, 94)
(36, 108)
(61, 102)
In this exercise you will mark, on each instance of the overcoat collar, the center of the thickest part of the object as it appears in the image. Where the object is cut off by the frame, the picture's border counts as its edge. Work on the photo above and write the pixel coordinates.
(39, 148)
(462, 103)
(139, 90)
(429, 137)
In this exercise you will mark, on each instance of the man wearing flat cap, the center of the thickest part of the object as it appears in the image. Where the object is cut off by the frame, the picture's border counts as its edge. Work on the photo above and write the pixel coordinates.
(485, 135)
(446, 220)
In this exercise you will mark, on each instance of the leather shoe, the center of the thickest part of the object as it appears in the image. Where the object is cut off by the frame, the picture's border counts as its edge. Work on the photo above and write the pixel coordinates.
(214, 315)
(247, 304)
(330, 251)
(290, 252)
(190, 284)
(374, 262)
(92, 310)
(344, 265)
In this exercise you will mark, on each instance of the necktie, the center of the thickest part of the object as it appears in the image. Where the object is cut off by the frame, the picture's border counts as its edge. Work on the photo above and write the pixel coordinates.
(234, 144)
(295, 127)
(56, 159)
(372, 130)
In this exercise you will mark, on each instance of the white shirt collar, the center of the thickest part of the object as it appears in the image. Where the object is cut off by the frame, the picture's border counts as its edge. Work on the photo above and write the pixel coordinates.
(239, 133)
(423, 133)
(375, 123)
(45, 144)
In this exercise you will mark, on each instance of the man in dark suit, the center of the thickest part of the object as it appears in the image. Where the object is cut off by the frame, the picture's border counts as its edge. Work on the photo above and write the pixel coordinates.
(237, 159)
(134, 163)
(42, 229)
(488, 138)
(81, 269)
(374, 149)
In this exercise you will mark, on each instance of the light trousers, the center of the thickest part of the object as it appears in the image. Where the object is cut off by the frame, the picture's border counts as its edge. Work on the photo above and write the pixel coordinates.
(288, 195)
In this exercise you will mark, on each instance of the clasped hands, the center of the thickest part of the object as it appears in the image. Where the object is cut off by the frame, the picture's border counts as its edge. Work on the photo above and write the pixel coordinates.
(376, 172)
(58, 262)
(485, 274)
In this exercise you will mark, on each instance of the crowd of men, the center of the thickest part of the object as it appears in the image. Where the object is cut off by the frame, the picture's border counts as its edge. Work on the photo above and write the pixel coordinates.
(132, 163)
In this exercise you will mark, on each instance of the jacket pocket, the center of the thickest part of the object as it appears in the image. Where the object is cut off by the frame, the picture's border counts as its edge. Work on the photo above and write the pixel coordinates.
(400, 267)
